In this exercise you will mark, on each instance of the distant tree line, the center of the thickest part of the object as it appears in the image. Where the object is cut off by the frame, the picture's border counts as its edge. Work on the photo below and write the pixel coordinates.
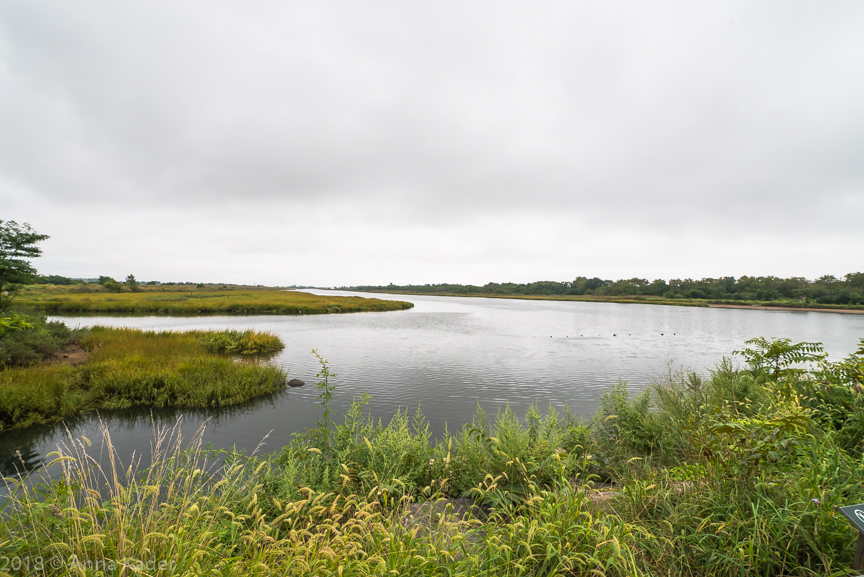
(56, 279)
(824, 290)
(112, 285)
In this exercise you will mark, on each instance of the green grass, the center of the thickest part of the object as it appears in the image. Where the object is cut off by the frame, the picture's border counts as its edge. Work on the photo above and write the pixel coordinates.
(128, 368)
(193, 301)
(732, 474)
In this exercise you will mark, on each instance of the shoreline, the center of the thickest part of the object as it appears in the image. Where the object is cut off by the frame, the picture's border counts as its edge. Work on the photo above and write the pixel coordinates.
(793, 309)
(636, 299)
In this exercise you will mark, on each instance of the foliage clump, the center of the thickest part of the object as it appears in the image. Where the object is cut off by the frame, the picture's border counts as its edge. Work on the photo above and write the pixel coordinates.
(247, 342)
(30, 339)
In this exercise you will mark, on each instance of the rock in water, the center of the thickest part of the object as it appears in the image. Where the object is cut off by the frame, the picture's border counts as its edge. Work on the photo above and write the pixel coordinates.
(295, 383)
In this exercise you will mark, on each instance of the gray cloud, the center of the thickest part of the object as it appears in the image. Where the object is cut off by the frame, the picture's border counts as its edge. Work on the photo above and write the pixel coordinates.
(719, 123)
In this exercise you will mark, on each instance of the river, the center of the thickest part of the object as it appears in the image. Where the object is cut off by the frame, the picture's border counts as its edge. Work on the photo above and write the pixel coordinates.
(449, 355)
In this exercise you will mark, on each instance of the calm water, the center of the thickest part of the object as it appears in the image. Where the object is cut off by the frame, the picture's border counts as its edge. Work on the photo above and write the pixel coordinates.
(448, 355)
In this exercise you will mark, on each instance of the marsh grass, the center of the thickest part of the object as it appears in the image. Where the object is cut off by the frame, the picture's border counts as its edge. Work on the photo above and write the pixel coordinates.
(196, 301)
(246, 343)
(129, 368)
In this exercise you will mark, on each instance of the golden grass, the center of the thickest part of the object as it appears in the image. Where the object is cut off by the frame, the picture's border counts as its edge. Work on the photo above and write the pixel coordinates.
(200, 301)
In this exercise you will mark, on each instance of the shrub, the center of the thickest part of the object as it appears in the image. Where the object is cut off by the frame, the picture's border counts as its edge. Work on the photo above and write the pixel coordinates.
(33, 341)
(625, 426)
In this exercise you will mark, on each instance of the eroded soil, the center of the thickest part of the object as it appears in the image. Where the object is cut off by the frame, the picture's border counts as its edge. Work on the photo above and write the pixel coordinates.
(70, 355)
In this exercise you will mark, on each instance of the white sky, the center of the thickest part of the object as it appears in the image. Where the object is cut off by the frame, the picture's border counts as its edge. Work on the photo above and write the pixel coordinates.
(342, 143)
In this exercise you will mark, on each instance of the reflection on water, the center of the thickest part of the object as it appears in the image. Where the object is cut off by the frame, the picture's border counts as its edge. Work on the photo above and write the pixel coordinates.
(20, 450)
(449, 355)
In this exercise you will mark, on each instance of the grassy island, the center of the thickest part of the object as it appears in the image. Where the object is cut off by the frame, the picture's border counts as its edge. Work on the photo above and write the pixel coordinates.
(192, 300)
(731, 474)
(124, 368)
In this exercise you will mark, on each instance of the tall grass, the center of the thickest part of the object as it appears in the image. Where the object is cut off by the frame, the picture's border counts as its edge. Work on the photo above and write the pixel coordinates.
(186, 511)
(193, 511)
(128, 368)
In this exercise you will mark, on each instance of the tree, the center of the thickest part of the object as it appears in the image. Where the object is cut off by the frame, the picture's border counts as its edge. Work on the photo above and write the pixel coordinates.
(56, 279)
(17, 246)
(855, 279)
(133, 284)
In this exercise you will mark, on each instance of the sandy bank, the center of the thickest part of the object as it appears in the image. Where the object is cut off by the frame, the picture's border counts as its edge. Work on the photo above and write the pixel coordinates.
(794, 309)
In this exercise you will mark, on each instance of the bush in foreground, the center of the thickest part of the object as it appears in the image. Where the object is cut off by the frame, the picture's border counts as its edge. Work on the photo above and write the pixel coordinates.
(29, 339)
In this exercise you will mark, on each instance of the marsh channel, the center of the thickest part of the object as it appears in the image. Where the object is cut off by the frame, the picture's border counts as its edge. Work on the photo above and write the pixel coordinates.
(447, 356)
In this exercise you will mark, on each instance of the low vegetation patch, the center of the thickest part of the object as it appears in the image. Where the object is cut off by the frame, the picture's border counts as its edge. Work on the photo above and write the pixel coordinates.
(731, 474)
(242, 342)
(195, 301)
(28, 339)
(128, 368)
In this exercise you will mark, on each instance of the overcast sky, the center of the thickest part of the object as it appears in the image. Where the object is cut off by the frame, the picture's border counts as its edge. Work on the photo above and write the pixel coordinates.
(343, 143)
